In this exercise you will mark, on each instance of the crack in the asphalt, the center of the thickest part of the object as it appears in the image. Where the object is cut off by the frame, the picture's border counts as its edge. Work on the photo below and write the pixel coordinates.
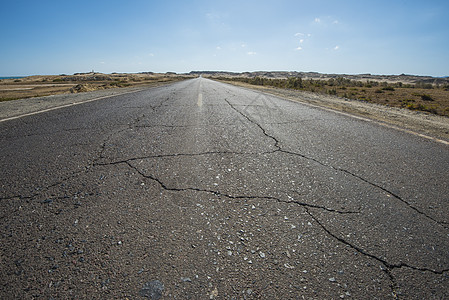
(220, 194)
(441, 223)
(131, 125)
(302, 204)
(159, 105)
(308, 205)
(276, 141)
(279, 149)
(76, 173)
(388, 267)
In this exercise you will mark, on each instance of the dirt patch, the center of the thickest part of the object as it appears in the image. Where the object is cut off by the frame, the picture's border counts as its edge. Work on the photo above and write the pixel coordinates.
(415, 121)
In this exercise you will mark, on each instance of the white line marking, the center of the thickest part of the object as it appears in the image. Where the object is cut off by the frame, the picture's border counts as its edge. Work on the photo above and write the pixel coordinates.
(200, 100)
(65, 105)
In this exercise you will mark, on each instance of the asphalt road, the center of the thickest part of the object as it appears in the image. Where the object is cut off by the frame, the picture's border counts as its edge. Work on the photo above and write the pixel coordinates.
(203, 190)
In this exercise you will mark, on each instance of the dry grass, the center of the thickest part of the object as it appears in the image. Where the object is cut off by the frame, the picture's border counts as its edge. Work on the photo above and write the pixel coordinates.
(435, 100)
(422, 97)
(37, 86)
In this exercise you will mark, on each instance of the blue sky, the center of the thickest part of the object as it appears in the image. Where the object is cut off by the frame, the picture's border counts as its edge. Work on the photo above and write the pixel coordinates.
(346, 36)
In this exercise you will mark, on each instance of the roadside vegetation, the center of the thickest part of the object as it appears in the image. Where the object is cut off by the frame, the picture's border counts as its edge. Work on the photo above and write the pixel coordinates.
(419, 96)
(37, 86)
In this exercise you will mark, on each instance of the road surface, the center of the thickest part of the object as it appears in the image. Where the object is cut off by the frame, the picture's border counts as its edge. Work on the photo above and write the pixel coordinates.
(204, 190)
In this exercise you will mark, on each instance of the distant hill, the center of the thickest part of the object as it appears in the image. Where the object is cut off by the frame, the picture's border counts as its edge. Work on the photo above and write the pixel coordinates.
(315, 75)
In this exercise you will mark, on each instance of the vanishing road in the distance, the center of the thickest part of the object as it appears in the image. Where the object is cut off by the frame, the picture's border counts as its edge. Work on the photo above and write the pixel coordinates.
(204, 190)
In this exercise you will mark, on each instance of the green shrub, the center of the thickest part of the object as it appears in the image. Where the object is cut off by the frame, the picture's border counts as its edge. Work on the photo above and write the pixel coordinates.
(294, 83)
(421, 85)
(388, 88)
(426, 97)
(332, 92)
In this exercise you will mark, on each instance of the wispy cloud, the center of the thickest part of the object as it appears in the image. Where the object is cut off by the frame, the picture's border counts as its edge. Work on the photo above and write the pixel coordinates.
(251, 53)
(302, 39)
(299, 34)
(218, 48)
(337, 48)
(326, 21)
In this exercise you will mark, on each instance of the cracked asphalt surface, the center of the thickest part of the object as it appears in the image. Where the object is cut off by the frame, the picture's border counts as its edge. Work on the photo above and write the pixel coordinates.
(204, 190)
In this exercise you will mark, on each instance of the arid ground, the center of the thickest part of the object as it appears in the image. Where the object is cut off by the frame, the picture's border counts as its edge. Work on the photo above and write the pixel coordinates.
(45, 85)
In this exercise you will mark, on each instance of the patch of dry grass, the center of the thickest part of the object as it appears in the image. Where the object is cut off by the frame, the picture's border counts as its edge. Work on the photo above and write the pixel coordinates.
(435, 100)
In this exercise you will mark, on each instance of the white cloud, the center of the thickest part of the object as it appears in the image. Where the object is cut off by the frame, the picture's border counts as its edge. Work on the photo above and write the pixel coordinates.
(299, 34)
(336, 48)
(251, 53)
(243, 45)
(326, 21)
(218, 48)
(151, 54)
(301, 40)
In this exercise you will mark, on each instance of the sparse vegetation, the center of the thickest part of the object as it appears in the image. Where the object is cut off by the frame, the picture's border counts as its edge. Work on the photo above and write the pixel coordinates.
(37, 86)
(387, 93)
(388, 88)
